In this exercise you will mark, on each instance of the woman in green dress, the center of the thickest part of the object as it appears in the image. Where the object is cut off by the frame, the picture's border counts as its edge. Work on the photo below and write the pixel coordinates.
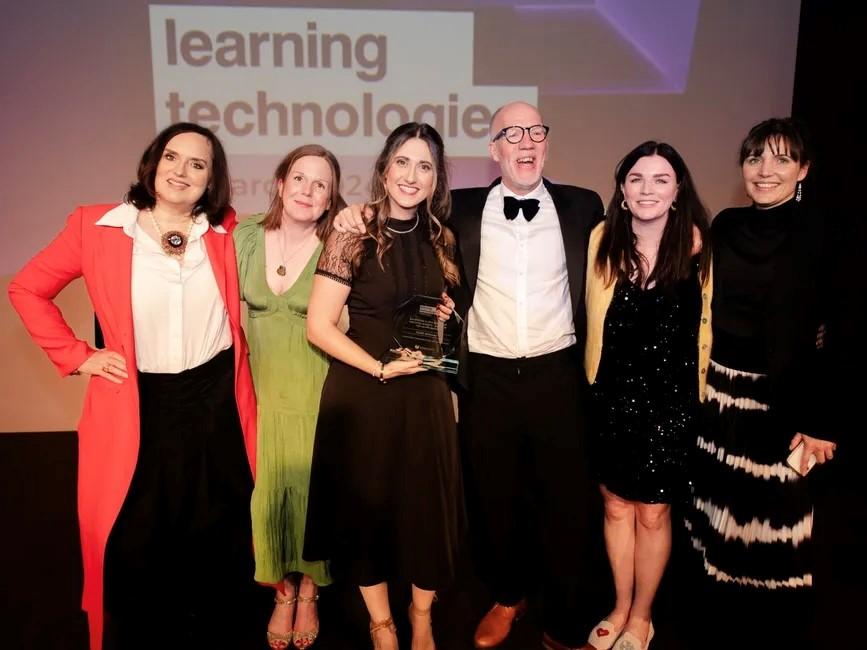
(277, 254)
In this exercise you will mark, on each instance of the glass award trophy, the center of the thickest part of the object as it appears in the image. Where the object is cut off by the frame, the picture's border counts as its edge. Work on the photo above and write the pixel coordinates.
(419, 334)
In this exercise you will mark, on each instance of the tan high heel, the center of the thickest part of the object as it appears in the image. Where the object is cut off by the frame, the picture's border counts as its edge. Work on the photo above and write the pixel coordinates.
(305, 639)
(282, 640)
(376, 626)
(416, 613)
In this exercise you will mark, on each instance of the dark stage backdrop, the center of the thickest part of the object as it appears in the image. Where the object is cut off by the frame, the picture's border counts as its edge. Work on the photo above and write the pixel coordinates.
(828, 71)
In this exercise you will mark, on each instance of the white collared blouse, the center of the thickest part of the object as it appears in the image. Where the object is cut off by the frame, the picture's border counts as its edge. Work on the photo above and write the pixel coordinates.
(179, 319)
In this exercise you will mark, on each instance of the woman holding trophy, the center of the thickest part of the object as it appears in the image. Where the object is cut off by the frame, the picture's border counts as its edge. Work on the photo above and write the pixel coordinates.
(385, 484)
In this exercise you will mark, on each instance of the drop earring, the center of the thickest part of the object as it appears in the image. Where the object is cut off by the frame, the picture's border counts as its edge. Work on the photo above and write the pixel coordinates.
(799, 193)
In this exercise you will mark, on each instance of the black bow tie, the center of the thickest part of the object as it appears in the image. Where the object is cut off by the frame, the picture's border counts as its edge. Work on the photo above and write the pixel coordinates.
(511, 205)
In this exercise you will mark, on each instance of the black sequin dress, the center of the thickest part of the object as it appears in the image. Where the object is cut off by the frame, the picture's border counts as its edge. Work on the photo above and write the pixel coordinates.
(646, 392)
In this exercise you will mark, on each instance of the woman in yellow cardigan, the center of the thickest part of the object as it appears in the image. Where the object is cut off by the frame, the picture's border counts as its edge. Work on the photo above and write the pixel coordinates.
(648, 343)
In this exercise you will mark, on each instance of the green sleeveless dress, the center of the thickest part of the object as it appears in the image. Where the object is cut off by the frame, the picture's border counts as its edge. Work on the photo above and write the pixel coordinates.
(288, 374)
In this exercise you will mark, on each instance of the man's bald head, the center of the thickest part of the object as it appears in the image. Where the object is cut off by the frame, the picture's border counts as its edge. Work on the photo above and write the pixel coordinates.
(521, 163)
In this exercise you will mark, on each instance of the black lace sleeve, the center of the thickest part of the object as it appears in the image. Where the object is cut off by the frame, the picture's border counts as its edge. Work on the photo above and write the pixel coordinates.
(335, 262)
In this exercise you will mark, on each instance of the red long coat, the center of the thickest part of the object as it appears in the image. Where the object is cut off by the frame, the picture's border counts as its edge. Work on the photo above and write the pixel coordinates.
(108, 432)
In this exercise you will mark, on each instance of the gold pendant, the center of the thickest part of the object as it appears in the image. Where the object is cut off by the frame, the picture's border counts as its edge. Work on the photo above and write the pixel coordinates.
(281, 270)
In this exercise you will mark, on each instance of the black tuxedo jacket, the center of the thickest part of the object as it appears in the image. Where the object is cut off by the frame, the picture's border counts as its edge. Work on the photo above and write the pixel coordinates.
(578, 210)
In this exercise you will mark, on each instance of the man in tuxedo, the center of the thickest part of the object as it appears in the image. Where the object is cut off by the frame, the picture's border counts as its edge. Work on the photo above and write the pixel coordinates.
(522, 244)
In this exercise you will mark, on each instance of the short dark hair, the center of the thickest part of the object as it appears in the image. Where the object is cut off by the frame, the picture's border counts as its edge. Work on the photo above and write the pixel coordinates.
(776, 131)
(618, 256)
(218, 193)
(274, 216)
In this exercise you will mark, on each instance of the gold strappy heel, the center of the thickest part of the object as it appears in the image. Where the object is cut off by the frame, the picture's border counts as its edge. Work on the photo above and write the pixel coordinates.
(376, 626)
(416, 613)
(282, 640)
(305, 639)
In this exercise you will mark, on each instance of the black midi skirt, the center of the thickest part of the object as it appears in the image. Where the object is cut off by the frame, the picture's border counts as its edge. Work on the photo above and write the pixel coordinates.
(183, 531)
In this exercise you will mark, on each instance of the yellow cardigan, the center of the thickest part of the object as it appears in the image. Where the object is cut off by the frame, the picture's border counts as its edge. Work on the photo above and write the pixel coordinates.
(598, 298)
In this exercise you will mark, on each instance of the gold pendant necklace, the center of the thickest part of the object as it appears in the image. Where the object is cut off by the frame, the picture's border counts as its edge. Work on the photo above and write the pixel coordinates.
(281, 268)
(173, 242)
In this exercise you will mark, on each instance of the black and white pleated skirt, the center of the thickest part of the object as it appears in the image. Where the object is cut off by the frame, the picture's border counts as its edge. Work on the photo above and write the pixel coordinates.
(751, 515)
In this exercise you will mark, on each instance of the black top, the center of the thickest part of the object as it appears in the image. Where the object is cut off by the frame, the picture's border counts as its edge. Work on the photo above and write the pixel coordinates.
(746, 249)
(769, 270)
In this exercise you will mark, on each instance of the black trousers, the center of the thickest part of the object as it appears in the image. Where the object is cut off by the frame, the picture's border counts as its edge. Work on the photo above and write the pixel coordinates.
(522, 426)
(178, 565)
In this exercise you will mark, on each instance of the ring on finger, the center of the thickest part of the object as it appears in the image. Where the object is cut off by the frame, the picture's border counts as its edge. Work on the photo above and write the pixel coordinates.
(106, 368)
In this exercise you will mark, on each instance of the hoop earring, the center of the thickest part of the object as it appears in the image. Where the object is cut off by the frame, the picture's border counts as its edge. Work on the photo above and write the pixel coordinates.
(799, 193)
(673, 206)
(623, 205)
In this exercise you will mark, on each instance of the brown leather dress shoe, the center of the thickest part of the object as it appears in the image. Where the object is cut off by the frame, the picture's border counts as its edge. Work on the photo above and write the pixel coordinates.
(497, 623)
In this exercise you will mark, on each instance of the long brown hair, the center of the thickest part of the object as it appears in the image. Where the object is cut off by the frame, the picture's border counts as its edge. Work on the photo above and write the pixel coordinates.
(274, 217)
(432, 213)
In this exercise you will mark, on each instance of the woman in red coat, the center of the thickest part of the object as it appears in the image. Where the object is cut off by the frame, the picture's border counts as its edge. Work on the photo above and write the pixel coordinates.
(167, 433)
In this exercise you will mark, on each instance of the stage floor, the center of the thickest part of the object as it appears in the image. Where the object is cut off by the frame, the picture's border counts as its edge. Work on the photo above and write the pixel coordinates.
(40, 572)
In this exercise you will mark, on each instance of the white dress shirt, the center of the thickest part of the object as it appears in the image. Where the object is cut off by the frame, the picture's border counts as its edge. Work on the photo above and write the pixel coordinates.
(521, 306)
(179, 318)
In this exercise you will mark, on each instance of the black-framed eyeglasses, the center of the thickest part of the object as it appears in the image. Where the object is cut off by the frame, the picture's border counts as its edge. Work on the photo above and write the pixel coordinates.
(514, 134)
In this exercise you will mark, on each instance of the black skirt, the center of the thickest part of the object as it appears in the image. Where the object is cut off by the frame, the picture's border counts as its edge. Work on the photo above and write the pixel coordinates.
(182, 539)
